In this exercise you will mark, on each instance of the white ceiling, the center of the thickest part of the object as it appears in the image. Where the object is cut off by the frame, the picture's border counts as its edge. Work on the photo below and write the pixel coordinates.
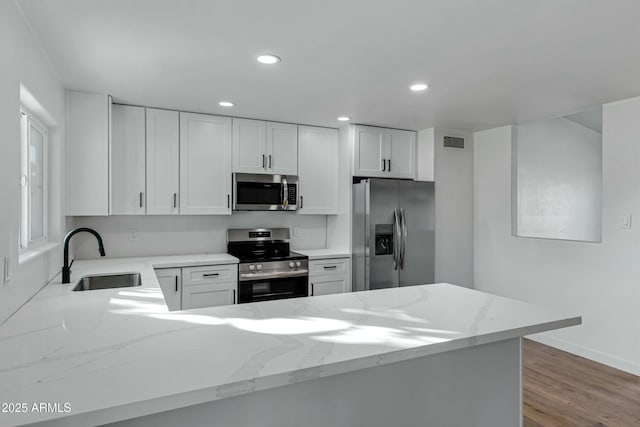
(489, 63)
(591, 119)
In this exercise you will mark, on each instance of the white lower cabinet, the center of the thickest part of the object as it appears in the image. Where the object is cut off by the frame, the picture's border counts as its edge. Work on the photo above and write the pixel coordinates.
(170, 280)
(198, 287)
(326, 285)
(211, 295)
(329, 276)
(209, 286)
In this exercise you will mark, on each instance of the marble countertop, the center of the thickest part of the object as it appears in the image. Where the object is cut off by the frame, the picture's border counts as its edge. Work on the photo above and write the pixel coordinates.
(324, 253)
(119, 353)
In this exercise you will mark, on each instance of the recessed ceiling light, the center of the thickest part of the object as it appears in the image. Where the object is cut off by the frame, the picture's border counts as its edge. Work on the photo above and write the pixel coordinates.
(268, 59)
(344, 118)
(418, 87)
(226, 104)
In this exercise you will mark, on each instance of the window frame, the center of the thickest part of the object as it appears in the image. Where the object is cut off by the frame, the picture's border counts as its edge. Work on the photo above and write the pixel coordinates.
(25, 243)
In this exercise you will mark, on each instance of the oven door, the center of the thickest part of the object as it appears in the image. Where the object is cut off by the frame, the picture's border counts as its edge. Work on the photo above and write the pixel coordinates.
(258, 192)
(271, 288)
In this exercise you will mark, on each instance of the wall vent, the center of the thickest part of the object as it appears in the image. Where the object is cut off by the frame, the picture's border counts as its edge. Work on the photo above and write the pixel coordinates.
(453, 142)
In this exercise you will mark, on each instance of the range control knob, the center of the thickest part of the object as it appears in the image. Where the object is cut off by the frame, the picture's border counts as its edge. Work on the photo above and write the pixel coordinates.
(298, 263)
(292, 264)
(252, 267)
(259, 267)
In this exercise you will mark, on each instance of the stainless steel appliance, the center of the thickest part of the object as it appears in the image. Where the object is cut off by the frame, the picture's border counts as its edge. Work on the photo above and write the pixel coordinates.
(393, 233)
(260, 192)
(267, 270)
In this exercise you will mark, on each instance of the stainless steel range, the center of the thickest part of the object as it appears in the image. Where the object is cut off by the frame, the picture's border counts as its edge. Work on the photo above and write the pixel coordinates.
(268, 270)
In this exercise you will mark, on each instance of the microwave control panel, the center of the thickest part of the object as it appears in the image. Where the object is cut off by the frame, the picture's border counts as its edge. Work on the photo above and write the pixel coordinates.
(292, 197)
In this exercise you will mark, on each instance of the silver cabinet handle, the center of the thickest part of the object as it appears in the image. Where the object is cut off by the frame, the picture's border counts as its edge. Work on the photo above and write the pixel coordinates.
(234, 296)
(389, 165)
(263, 161)
(211, 275)
(269, 161)
(301, 202)
(176, 283)
(384, 165)
(330, 267)
(311, 289)
(228, 201)
(141, 203)
(175, 200)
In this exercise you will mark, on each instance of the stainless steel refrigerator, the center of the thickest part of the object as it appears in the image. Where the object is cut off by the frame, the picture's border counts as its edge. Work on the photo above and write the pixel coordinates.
(393, 233)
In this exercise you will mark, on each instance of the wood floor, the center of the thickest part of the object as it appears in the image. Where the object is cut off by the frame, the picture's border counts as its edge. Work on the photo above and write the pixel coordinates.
(561, 389)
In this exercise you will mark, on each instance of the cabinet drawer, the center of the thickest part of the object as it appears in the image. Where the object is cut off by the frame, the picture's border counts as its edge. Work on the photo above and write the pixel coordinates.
(209, 274)
(208, 295)
(329, 266)
(330, 284)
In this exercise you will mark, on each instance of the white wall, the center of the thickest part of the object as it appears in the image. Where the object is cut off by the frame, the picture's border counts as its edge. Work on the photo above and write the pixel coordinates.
(600, 281)
(189, 234)
(22, 61)
(558, 171)
(453, 173)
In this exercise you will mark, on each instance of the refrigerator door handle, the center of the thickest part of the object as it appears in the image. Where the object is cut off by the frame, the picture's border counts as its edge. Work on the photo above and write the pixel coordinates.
(403, 225)
(396, 239)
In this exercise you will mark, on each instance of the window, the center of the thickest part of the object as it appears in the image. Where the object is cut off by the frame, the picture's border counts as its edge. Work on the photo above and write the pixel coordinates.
(33, 181)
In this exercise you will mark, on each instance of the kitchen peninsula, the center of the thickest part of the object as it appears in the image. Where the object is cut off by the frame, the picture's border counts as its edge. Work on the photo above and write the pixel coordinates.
(401, 356)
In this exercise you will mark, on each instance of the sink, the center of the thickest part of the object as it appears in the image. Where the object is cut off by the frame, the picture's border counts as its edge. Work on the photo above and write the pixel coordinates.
(90, 283)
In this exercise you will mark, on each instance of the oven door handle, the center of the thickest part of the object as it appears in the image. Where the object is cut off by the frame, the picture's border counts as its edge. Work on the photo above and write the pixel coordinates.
(243, 277)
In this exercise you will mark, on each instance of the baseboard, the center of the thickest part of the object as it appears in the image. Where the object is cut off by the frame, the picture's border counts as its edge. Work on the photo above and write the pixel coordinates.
(596, 356)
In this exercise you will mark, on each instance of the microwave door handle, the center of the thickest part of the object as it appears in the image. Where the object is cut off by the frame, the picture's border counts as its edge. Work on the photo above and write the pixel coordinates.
(285, 192)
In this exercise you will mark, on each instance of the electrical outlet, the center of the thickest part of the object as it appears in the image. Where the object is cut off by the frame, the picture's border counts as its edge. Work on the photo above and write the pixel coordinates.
(7, 270)
(133, 235)
(296, 231)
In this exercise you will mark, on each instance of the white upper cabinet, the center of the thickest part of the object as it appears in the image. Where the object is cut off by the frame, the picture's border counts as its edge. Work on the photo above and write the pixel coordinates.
(384, 153)
(368, 155)
(318, 166)
(205, 164)
(249, 146)
(265, 147)
(163, 151)
(402, 154)
(87, 153)
(282, 148)
(128, 173)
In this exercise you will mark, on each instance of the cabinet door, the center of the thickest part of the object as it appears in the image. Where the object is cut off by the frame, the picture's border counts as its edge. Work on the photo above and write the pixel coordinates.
(249, 146)
(87, 152)
(128, 173)
(163, 151)
(318, 170)
(205, 164)
(332, 284)
(282, 148)
(170, 280)
(208, 295)
(369, 146)
(402, 154)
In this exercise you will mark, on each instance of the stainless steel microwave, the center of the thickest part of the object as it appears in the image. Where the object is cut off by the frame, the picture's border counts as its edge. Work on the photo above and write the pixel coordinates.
(261, 192)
